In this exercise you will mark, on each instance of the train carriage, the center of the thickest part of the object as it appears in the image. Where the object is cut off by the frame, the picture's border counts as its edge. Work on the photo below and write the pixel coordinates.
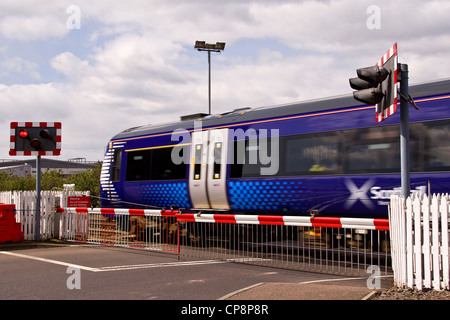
(326, 157)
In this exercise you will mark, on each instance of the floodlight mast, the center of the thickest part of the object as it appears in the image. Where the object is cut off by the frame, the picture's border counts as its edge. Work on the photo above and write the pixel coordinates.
(217, 47)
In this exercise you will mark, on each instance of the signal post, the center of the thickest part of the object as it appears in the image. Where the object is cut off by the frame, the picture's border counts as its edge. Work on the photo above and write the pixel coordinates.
(378, 85)
(36, 139)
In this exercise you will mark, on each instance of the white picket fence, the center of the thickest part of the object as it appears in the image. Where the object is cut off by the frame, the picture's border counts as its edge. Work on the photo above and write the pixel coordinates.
(419, 234)
(25, 202)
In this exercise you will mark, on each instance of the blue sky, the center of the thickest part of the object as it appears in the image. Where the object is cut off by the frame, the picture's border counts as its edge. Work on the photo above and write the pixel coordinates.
(132, 62)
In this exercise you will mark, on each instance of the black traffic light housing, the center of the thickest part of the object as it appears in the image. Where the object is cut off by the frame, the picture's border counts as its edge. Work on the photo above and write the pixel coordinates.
(35, 139)
(376, 85)
(368, 84)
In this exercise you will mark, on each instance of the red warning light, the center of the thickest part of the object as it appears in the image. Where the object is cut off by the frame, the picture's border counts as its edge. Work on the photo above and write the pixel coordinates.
(23, 134)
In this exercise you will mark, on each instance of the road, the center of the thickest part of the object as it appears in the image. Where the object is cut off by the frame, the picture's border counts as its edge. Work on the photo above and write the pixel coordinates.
(91, 272)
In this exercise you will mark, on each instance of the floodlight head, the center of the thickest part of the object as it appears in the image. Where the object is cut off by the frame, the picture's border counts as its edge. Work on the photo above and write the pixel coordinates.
(203, 46)
(200, 44)
(210, 46)
(220, 45)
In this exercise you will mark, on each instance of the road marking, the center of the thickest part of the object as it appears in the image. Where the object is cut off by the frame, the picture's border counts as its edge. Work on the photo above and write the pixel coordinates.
(341, 279)
(115, 268)
(225, 297)
(61, 263)
(159, 265)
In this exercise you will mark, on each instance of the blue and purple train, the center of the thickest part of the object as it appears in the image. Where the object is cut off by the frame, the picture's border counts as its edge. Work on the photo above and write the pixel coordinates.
(324, 156)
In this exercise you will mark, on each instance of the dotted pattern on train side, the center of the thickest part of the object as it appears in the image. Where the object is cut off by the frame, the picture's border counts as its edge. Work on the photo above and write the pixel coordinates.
(279, 196)
(165, 194)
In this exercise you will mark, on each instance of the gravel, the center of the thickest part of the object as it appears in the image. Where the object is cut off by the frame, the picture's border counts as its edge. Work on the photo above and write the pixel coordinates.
(410, 294)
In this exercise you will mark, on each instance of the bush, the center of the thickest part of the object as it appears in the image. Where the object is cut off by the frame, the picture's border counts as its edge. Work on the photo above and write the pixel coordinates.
(88, 180)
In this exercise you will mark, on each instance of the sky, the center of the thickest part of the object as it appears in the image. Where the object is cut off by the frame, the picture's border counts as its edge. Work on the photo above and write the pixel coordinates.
(100, 66)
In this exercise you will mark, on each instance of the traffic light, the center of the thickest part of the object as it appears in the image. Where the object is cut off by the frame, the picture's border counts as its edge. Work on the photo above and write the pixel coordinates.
(35, 139)
(377, 85)
(368, 84)
(40, 138)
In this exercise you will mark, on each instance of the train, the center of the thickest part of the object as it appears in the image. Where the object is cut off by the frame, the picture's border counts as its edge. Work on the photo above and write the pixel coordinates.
(325, 157)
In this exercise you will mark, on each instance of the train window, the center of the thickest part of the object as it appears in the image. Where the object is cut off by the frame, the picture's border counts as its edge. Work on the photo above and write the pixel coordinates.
(217, 160)
(198, 162)
(117, 161)
(154, 164)
(162, 166)
(238, 157)
(312, 154)
(438, 146)
(138, 165)
(374, 157)
(246, 155)
(372, 150)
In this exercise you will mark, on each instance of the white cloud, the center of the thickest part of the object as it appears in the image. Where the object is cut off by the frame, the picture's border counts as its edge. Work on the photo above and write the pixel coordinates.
(21, 66)
(26, 28)
(138, 64)
(69, 65)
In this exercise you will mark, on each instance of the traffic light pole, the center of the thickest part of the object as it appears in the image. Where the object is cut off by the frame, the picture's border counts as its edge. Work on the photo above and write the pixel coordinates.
(38, 199)
(378, 85)
(404, 129)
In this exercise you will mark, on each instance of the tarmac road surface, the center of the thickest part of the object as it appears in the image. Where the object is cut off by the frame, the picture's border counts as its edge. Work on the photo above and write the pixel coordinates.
(61, 271)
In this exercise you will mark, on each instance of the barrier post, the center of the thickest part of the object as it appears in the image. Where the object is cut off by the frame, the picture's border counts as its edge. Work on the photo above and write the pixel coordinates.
(178, 242)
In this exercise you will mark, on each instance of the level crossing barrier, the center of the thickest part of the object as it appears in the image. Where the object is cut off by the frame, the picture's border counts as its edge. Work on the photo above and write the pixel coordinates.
(323, 244)
(332, 245)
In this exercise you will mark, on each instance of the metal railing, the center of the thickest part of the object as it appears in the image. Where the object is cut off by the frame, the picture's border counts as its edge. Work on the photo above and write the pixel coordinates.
(330, 245)
(145, 229)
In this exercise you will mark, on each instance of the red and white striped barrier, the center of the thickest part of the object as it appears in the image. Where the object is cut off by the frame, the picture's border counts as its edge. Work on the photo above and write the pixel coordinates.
(113, 211)
(331, 222)
(302, 221)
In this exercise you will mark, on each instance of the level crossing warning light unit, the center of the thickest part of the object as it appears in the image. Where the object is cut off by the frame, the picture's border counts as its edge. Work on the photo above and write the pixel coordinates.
(378, 85)
(35, 139)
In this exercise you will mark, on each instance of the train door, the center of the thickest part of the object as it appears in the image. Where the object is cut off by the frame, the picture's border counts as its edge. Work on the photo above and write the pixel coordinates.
(208, 165)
